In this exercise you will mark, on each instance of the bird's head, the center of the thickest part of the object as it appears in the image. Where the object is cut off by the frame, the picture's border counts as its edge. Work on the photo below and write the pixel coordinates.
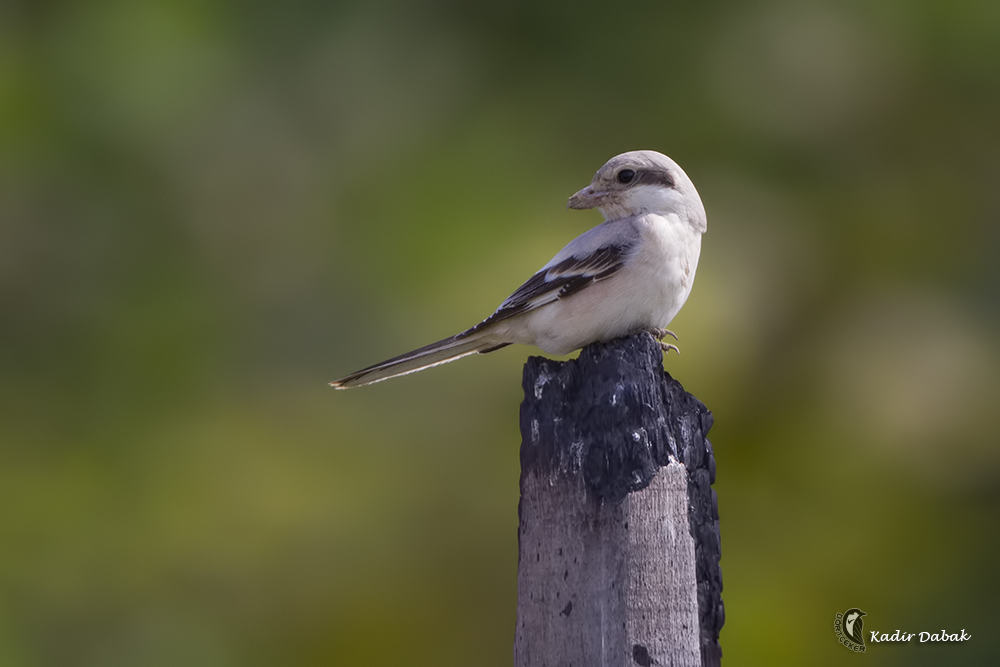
(642, 182)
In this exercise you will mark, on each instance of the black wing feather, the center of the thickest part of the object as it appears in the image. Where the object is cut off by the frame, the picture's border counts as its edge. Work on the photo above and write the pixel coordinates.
(556, 282)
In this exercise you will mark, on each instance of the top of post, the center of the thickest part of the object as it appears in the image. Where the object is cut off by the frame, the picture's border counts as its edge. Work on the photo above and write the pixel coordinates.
(612, 412)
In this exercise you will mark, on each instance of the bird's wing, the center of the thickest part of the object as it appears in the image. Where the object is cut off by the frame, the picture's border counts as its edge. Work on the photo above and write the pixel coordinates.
(559, 280)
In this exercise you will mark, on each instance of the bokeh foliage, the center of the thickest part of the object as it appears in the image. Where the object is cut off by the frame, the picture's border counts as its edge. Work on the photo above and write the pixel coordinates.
(209, 209)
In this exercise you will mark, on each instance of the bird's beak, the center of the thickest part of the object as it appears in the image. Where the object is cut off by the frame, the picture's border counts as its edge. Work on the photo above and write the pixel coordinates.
(586, 198)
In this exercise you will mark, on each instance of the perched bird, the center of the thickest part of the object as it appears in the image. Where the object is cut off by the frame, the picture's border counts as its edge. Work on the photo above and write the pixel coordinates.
(631, 273)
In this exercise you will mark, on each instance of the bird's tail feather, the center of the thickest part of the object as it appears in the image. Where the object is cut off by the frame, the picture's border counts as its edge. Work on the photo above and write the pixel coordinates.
(434, 354)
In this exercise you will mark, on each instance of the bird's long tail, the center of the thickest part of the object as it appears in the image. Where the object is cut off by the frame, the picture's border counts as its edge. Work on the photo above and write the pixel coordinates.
(434, 354)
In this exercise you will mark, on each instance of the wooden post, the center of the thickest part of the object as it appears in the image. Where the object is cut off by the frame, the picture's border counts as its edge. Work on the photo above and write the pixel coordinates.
(619, 535)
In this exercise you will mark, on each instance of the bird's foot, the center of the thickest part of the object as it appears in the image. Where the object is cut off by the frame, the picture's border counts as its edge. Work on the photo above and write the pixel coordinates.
(660, 334)
(666, 347)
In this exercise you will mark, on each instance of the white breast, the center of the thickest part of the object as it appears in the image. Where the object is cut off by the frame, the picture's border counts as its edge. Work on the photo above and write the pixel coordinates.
(664, 265)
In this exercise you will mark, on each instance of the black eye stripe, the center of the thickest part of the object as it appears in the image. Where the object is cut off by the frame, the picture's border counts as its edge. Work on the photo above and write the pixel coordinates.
(654, 177)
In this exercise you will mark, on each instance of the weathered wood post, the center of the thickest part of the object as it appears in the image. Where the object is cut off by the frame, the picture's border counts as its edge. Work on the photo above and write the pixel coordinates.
(619, 533)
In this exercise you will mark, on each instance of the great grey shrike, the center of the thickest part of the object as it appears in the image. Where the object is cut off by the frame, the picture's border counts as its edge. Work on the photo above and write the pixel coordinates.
(631, 273)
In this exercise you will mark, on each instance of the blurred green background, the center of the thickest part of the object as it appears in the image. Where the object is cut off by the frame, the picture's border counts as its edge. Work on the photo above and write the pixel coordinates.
(210, 209)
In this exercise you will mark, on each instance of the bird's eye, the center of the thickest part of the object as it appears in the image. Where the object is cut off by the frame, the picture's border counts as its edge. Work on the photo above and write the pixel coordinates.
(626, 175)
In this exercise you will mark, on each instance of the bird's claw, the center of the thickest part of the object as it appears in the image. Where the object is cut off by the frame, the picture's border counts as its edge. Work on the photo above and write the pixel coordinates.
(666, 347)
(660, 334)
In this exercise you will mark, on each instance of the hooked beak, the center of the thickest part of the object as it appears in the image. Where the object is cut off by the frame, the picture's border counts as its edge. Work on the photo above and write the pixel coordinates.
(586, 198)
